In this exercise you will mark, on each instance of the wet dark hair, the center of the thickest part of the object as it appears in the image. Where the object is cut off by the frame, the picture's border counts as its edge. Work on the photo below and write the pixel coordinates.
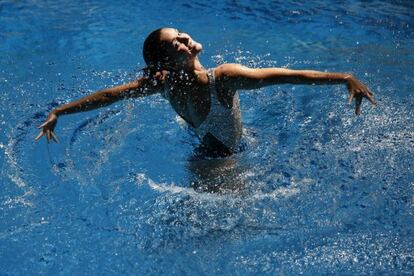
(155, 53)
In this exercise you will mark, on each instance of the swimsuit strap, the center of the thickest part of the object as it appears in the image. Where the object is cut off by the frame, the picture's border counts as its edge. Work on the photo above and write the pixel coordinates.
(212, 82)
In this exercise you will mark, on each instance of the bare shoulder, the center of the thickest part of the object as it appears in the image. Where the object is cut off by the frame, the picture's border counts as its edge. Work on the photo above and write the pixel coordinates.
(237, 76)
(229, 70)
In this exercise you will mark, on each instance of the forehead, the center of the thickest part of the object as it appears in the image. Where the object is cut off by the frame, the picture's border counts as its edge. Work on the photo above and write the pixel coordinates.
(168, 34)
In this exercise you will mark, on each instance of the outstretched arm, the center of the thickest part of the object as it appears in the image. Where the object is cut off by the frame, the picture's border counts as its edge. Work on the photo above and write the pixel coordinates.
(138, 88)
(235, 76)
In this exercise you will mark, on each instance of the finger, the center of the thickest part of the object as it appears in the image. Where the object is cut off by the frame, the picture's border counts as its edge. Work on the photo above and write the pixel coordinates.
(370, 96)
(371, 99)
(42, 125)
(351, 98)
(48, 136)
(54, 138)
(358, 102)
(39, 135)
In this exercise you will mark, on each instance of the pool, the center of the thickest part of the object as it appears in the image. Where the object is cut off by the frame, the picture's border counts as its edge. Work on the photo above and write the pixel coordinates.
(316, 190)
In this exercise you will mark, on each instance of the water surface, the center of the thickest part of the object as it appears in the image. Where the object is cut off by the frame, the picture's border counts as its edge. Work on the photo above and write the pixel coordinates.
(317, 190)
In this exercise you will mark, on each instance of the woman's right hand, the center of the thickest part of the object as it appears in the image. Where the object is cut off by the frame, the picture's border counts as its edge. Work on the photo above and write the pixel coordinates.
(48, 128)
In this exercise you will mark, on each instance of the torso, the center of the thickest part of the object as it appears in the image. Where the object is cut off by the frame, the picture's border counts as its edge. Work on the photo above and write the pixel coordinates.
(192, 102)
(215, 118)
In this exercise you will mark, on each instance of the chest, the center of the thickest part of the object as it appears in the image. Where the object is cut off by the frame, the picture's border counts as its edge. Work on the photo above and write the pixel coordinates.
(192, 101)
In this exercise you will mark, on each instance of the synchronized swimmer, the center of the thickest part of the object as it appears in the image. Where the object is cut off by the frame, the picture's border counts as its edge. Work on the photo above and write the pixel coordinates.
(207, 99)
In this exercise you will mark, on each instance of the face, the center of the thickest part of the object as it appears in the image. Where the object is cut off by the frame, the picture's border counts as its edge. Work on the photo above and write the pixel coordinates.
(182, 46)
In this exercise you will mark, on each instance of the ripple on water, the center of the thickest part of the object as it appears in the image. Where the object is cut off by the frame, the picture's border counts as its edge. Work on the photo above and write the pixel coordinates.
(316, 190)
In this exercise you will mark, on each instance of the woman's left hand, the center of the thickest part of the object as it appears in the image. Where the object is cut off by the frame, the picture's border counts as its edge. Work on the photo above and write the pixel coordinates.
(358, 90)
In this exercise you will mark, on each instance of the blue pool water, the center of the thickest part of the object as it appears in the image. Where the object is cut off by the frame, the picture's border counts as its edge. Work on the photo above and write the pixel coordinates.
(317, 190)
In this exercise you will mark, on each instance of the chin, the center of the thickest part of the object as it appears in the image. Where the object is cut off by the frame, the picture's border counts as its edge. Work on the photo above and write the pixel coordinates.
(199, 47)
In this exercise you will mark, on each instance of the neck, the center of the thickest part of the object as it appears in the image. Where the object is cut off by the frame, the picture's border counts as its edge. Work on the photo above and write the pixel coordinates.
(192, 67)
(197, 66)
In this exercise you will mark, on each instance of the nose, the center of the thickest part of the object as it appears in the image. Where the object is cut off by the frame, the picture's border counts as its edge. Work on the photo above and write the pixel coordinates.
(184, 38)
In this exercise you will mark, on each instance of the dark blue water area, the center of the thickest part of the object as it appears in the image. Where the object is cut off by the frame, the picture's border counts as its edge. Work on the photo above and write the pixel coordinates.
(316, 190)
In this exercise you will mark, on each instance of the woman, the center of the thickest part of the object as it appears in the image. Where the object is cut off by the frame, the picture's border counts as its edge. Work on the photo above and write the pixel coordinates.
(206, 99)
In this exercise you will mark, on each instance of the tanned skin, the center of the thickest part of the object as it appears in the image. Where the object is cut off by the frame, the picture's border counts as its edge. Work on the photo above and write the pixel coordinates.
(190, 98)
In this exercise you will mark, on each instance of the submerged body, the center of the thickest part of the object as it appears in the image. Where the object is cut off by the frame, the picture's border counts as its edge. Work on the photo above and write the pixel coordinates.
(206, 99)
